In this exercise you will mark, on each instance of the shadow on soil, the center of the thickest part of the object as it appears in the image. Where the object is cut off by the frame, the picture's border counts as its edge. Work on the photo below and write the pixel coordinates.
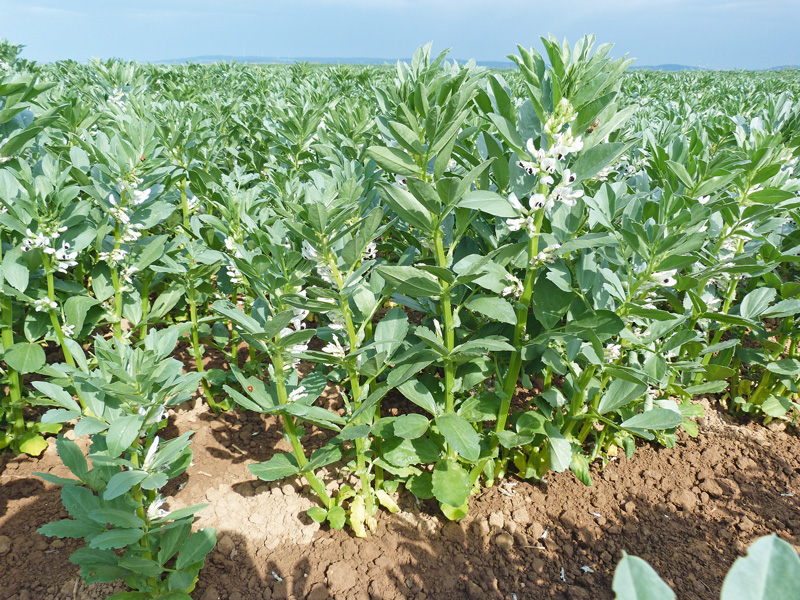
(740, 490)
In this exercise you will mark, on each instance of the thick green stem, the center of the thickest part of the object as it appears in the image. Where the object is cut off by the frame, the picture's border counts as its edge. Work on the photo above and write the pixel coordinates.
(361, 444)
(14, 387)
(198, 355)
(291, 431)
(588, 423)
(448, 333)
(145, 306)
(51, 295)
(185, 203)
(515, 364)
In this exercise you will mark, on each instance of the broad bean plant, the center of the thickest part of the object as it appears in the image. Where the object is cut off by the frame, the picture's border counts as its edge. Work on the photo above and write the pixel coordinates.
(457, 274)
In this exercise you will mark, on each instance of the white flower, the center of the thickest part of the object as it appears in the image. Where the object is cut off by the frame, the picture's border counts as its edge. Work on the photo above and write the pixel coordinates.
(120, 214)
(612, 352)
(546, 256)
(297, 393)
(568, 177)
(438, 328)
(68, 330)
(515, 288)
(235, 275)
(565, 143)
(516, 224)
(44, 304)
(308, 251)
(528, 167)
(140, 197)
(64, 259)
(154, 511)
(130, 232)
(566, 195)
(127, 273)
(36, 240)
(512, 199)
(539, 201)
(704, 199)
(159, 414)
(151, 453)
(370, 252)
(665, 278)
(604, 173)
(335, 348)
(114, 257)
(192, 202)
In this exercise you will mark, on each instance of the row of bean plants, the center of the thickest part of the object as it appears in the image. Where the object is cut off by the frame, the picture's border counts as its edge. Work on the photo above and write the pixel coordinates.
(545, 263)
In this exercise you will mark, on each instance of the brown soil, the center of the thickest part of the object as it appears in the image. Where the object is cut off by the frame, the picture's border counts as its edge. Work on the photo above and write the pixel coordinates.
(689, 511)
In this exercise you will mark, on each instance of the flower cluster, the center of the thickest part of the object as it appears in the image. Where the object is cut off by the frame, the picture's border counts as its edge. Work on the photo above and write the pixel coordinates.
(515, 287)
(43, 238)
(323, 268)
(114, 257)
(234, 273)
(64, 259)
(44, 304)
(129, 232)
(546, 256)
(335, 348)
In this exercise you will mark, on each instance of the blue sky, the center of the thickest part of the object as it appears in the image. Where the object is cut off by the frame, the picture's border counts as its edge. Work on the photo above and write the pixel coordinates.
(718, 34)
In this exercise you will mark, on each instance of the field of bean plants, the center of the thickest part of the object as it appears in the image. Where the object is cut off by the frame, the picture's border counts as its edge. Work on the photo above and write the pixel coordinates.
(405, 295)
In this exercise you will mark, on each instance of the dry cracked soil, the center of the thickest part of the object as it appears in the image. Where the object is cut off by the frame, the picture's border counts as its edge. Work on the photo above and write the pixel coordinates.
(690, 511)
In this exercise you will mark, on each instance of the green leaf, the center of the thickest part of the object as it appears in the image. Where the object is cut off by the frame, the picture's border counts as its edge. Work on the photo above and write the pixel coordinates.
(756, 302)
(550, 303)
(122, 432)
(597, 158)
(196, 547)
(121, 483)
(393, 160)
(58, 394)
(410, 281)
(72, 456)
(450, 483)
(770, 571)
(406, 206)
(75, 310)
(580, 466)
(776, 406)
(493, 307)
(116, 538)
(454, 513)
(25, 358)
(461, 436)
(32, 444)
(419, 394)
(620, 393)
(391, 331)
(560, 448)
(117, 518)
(277, 467)
(787, 367)
(784, 308)
(70, 528)
(491, 203)
(410, 426)
(14, 270)
(420, 485)
(634, 579)
(657, 419)
(337, 517)
(317, 514)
